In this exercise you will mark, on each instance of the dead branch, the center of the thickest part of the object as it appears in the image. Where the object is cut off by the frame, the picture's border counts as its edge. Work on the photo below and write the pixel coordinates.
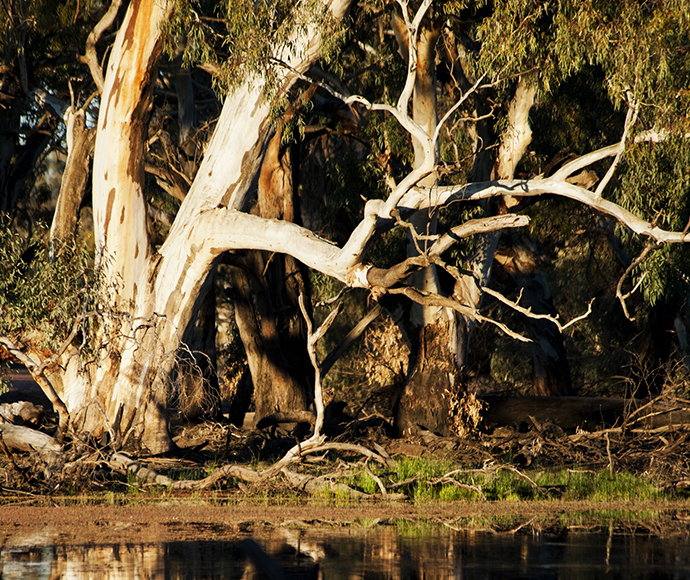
(528, 311)
(22, 412)
(388, 277)
(636, 262)
(29, 440)
(90, 58)
(125, 464)
(630, 118)
(312, 338)
(376, 479)
(350, 338)
(429, 299)
(36, 371)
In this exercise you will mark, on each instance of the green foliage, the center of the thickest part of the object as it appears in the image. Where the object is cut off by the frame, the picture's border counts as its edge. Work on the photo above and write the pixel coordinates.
(244, 40)
(427, 484)
(40, 297)
(655, 183)
(639, 46)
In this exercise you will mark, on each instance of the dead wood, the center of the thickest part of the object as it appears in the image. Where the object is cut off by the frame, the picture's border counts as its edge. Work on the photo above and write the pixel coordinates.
(22, 413)
(125, 464)
(288, 417)
(20, 438)
(315, 485)
(584, 412)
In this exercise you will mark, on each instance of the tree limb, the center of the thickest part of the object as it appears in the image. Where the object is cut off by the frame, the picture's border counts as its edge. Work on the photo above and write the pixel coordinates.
(528, 311)
(36, 371)
(90, 58)
(619, 287)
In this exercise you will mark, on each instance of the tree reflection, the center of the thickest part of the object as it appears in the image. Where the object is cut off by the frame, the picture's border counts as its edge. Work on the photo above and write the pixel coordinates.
(391, 552)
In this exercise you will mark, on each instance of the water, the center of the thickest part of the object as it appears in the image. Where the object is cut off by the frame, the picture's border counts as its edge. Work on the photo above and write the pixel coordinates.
(384, 552)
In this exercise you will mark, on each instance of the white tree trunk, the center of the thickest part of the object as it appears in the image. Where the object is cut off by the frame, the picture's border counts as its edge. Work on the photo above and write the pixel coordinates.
(152, 295)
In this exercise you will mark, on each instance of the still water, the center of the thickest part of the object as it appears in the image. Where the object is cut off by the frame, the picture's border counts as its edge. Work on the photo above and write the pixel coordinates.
(385, 552)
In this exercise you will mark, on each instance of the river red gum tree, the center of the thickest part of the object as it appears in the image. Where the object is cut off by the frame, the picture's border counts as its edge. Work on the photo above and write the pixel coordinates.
(149, 294)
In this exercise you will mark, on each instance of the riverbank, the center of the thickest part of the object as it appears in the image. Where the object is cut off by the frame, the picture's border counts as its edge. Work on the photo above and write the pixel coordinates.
(79, 521)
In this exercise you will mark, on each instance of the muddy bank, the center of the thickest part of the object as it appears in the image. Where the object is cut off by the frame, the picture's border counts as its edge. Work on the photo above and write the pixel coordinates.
(173, 520)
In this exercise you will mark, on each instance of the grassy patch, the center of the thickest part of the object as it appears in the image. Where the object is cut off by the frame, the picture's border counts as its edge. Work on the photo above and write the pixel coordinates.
(431, 480)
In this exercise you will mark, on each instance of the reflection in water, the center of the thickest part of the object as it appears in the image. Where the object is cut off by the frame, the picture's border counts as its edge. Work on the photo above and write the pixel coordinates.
(385, 552)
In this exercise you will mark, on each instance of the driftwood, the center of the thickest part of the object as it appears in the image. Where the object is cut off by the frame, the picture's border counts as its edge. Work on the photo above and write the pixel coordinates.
(20, 438)
(583, 412)
(22, 413)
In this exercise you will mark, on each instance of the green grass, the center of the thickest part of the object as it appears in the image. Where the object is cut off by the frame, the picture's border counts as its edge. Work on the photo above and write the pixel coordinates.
(421, 479)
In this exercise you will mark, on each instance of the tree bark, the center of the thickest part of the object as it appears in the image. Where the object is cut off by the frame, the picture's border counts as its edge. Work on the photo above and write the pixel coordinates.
(428, 392)
(75, 178)
(267, 287)
(425, 397)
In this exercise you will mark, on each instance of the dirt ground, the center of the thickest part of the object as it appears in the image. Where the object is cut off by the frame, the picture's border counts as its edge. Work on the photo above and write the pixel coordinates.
(194, 519)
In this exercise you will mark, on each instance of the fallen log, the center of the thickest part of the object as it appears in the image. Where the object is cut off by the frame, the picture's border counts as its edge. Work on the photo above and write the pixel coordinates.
(22, 413)
(20, 438)
(583, 412)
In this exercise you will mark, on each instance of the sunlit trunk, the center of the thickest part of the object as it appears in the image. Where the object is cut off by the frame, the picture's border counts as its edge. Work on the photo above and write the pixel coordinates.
(149, 298)
(431, 382)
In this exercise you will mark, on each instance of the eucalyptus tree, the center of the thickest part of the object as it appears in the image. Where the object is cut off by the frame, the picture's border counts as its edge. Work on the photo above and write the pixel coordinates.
(504, 53)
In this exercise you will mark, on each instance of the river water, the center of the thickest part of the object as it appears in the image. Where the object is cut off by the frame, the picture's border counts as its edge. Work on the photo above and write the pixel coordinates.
(383, 552)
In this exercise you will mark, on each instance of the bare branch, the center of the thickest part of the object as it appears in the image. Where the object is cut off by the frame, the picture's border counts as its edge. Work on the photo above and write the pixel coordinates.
(388, 277)
(421, 198)
(353, 335)
(413, 27)
(528, 311)
(37, 373)
(90, 58)
(630, 118)
(619, 287)
(518, 134)
(473, 89)
(428, 299)
(312, 339)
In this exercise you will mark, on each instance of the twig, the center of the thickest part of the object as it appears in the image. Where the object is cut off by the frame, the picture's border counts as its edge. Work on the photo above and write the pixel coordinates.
(378, 481)
(36, 371)
(312, 339)
(636, 262)
(351, 337)
(528, 311)
(431, 299)
(608, 453)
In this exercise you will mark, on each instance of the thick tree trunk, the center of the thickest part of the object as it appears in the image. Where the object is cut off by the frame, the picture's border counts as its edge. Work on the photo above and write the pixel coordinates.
(657, 345)
(425, 398)
(75, 178)
(17, 162)
(150, 298)
(431, 386)
(267, 289)
(551, 374)
(550, 370)
(276, 388)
